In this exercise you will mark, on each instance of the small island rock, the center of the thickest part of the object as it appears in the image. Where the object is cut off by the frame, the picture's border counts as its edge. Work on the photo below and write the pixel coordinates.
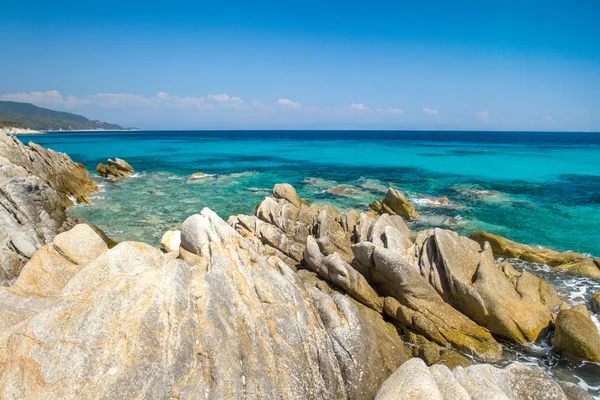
(394, 203)
(572, 262)
(116, 168)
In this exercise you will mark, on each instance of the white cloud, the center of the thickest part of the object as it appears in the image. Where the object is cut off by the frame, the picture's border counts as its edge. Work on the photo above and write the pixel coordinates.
(54, 99)
(359, 107)
(395, 110)
(547, 118)
(430, 111)
(225, 98)
(50, 98)
(483, 115)
(287, 103)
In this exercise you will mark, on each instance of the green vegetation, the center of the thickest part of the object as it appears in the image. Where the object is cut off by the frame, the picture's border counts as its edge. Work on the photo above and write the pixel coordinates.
(5, 123)
(25, 115)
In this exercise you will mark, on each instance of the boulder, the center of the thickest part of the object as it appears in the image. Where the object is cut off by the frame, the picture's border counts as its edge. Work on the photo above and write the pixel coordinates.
(116, 168)
(80, 245)
(287, 192)
(395, 203)
(569, 261)
(284, 221)
(170, 241)
(414, 380)
(576, 334)
(53, 265)
(512, 305)
(414, 303)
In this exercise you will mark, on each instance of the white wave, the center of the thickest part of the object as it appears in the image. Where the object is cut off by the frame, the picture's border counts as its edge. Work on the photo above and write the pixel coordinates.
(425, 202)
(73, 199)
(176, 178)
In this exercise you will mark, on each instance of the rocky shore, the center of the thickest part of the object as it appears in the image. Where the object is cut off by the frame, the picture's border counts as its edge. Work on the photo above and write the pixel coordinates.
(297, 301)
(20, 131)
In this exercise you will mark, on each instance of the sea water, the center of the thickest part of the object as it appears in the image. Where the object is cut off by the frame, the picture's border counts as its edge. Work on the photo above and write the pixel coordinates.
(542, 189)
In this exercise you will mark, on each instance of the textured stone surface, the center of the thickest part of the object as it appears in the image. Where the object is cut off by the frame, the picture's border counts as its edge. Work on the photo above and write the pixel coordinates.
(435, 283)
(230, 322)
(414, 380)
(512, 305)
(36, 185)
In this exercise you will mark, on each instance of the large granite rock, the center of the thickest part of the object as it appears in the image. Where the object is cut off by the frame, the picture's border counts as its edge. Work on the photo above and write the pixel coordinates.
(445, 289)
(576, 333)
(569, 261)
(413, 302)
(46, 274)
(512, 305)
(70, 180)
(36, 186)
(230, 322)
(414, 380)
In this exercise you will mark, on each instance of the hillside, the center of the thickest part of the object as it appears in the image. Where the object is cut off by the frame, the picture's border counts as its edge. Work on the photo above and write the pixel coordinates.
(25, 115)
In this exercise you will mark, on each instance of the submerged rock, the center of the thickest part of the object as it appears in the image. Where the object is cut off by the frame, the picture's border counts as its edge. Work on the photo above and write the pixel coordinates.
(342, 190)
(116, 168)
(569, 261)
(199, 175)
(414, 380)
(576, 333)
(395, 203)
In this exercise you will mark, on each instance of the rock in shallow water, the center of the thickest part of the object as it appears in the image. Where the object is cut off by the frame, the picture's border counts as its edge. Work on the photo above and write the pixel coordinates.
(569, 261)
(577, 334)
(116, 168)
(394, 202)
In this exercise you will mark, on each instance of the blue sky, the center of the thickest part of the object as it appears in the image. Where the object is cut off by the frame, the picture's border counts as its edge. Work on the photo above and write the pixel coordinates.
(314, 64)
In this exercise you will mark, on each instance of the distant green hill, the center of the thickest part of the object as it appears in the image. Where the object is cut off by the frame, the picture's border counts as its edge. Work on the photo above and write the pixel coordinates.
(25, 115)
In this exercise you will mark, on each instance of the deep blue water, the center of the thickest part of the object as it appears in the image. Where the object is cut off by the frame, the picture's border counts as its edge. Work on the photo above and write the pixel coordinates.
(537, 188)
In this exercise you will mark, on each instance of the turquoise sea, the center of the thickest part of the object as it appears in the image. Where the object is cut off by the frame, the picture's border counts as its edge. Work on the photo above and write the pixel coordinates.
(536, 188)
(542, 189)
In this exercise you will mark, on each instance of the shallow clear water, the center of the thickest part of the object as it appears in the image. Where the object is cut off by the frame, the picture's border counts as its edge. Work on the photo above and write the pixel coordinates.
(536, 188)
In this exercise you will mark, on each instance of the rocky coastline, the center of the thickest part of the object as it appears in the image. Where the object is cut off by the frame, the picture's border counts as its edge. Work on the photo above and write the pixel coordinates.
(296, 301)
